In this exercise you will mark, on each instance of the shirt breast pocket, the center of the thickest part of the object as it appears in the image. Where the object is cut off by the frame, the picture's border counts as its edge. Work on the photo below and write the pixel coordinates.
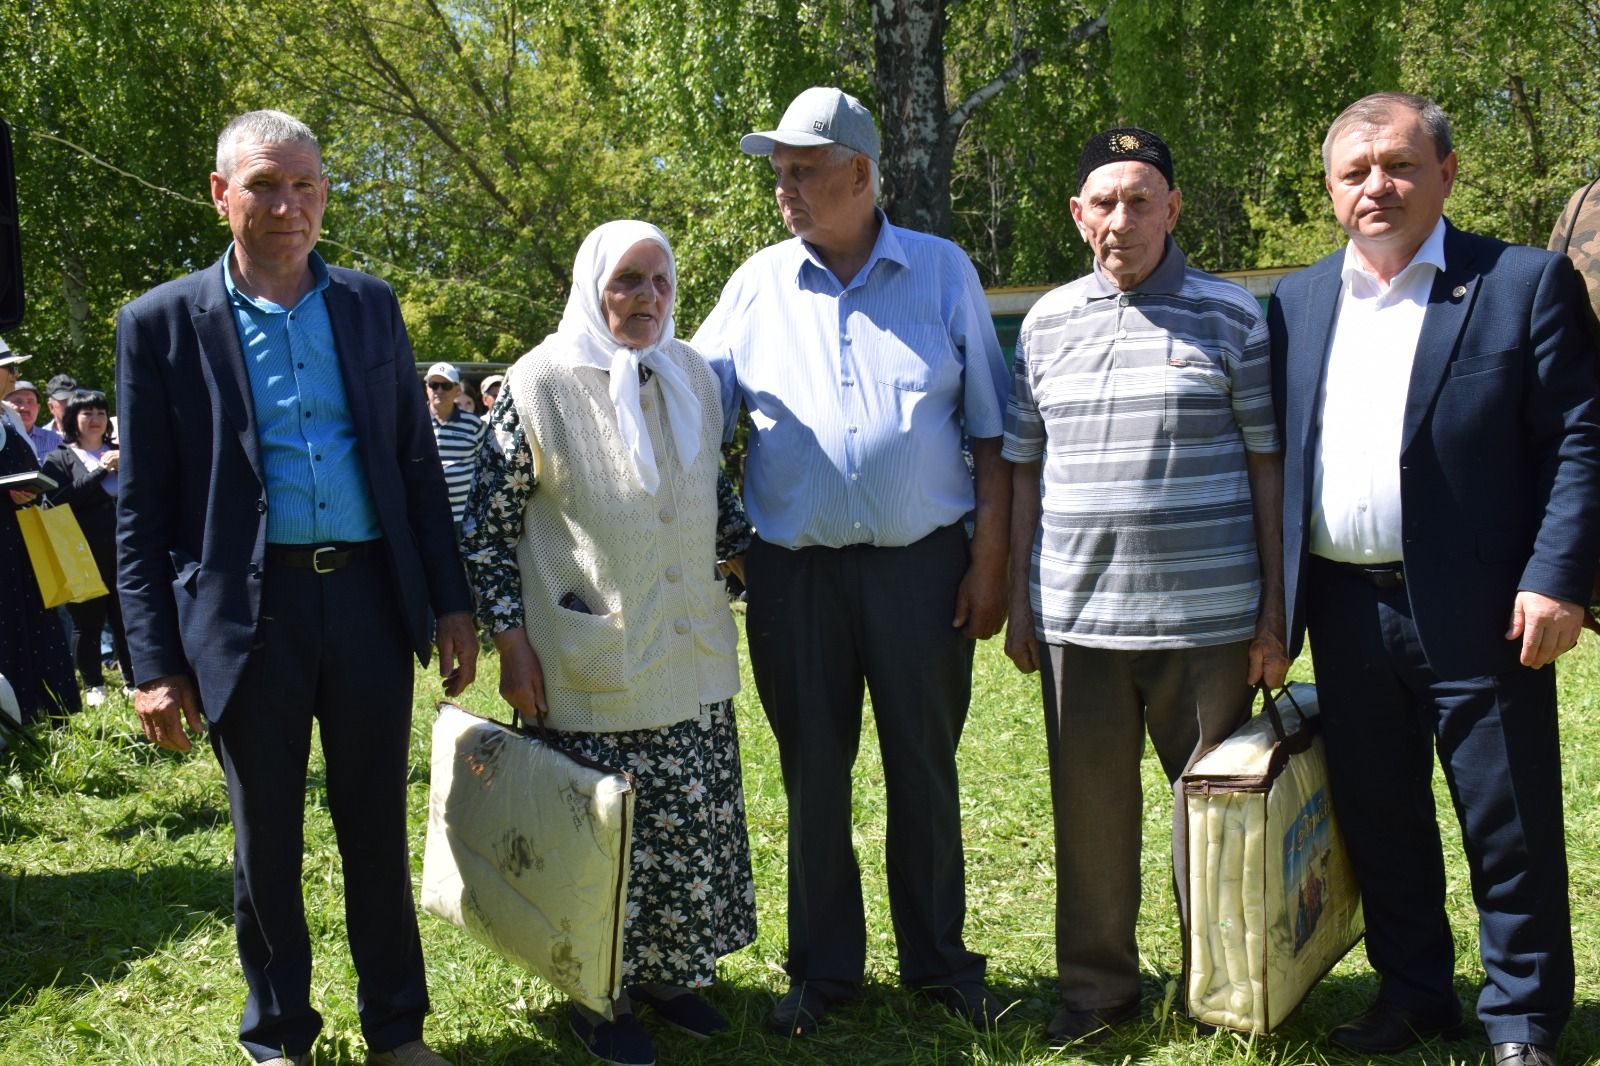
(912, 358)
(1198, 394)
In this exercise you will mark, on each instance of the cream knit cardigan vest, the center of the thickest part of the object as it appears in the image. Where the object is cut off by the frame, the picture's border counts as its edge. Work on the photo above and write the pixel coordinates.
(658, 641)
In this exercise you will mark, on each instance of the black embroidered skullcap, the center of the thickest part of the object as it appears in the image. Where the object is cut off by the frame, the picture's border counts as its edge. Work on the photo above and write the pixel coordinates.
(1121, 145)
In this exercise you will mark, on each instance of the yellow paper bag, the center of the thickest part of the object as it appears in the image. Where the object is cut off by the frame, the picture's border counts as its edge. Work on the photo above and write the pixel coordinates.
(60, 555)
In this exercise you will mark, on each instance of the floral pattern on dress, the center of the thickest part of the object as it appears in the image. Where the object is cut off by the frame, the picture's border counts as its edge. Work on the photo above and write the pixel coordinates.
(493, 525)
(691, 896)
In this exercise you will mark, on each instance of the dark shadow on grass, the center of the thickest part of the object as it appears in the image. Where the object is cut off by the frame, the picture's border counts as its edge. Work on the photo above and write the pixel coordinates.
(180, 821)
(65, 930)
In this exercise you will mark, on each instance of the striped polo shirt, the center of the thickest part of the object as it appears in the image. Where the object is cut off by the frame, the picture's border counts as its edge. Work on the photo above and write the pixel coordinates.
(458, 439)
(1140, 406)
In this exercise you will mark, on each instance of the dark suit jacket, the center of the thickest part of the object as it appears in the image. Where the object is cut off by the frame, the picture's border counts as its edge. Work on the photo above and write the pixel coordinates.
(191, 531)
(1500, 451)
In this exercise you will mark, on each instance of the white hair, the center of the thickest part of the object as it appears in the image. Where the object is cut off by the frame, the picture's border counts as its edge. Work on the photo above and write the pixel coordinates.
(262, 127)
(843, 153)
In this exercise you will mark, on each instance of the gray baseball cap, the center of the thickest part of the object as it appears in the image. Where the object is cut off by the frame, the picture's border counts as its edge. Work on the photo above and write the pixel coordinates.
(818, 116)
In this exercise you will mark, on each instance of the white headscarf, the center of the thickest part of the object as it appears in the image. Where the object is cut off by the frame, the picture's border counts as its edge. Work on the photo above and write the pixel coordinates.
(584, 339)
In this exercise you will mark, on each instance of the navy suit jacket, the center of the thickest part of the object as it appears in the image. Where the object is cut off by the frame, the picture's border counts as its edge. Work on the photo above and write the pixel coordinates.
(1500, 450)
(192, 524)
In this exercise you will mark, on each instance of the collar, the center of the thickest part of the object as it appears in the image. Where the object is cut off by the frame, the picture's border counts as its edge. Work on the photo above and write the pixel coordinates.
(1165, 280)
(319, 282)
(1431, 253)
(886, 247)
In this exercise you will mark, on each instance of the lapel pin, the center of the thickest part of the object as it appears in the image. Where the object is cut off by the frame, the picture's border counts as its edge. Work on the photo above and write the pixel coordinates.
(1459, 291)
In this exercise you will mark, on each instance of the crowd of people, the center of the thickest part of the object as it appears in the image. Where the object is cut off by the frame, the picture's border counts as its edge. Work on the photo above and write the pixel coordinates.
(1158, 500)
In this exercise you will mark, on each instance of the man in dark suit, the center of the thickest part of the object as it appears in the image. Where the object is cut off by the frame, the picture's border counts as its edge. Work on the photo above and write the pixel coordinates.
(1440, 531)
(283, 532)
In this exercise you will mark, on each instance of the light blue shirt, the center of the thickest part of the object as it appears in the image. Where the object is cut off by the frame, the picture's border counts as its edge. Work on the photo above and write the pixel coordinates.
(316, 485)
(858, 394)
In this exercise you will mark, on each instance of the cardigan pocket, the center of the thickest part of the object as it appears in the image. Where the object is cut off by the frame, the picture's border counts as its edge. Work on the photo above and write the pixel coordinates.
(591, 651)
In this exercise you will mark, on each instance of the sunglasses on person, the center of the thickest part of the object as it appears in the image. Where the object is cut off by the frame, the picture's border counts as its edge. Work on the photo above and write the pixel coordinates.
(441, 386)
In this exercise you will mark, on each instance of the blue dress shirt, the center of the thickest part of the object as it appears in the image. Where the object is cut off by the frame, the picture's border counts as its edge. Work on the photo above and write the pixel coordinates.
(316, 485)
(858, 394)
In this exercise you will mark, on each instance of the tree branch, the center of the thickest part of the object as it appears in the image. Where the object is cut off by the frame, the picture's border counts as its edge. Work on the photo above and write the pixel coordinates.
(1022, 61)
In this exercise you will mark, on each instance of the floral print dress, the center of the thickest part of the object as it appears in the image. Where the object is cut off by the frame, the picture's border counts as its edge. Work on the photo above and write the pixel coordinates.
(691, 897)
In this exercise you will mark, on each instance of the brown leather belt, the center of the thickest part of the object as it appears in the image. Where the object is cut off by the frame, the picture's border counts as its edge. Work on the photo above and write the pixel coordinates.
(1378, 575)
(320, 558)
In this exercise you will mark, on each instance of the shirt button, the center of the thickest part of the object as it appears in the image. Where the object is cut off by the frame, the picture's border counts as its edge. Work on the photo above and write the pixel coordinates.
(858, 525)
(323, 506)
(300, 366)
(847, 383)
(254, 570)
(318, 458)
(667, 515)
(681, 626)
(261, 505)
(855, 477)
(674, 573)
(852, 429)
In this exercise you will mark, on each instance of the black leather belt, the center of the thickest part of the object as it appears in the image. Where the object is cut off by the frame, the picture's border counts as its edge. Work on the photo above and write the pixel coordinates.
(321, 558)
(1378, 575)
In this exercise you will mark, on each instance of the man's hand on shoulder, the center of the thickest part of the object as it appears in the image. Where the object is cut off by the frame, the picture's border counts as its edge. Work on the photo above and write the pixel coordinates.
(163, 705)
(1546, 626)
(458, 651)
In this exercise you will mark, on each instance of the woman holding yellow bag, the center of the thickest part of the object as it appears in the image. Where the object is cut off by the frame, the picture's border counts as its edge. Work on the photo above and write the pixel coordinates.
(33, 651)
(85, 469)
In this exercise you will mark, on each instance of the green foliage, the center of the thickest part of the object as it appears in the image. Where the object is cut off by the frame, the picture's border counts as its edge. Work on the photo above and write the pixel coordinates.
(138, 86)
(472, 143)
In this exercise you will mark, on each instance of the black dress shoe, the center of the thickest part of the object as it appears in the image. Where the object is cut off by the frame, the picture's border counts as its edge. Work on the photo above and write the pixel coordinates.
(802, 1009)
(1386, 1029)
(1523, 1055)
(1088, 1026)
(971, 1001)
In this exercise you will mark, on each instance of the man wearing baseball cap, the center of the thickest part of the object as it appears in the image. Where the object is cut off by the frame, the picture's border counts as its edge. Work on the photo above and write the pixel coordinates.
(1141, 404)
(458, 435)
(862, 351)
(57, 391)
(24, 397)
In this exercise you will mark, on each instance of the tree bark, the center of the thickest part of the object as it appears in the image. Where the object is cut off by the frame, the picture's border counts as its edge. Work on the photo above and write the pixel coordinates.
(908, 49)
(918, 127)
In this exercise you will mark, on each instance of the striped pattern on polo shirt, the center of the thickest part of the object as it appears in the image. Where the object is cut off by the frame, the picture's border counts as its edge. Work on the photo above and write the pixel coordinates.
(458, 441)
(1141, 406)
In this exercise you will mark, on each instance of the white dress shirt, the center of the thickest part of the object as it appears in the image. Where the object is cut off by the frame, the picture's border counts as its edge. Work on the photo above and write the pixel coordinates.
(1355, 506)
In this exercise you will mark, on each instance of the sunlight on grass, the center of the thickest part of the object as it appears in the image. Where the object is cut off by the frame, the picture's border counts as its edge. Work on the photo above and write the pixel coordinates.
(118, 946)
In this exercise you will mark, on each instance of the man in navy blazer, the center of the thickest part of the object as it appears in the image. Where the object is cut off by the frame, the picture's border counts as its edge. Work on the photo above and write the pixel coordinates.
(1436, 395)
(283, 534)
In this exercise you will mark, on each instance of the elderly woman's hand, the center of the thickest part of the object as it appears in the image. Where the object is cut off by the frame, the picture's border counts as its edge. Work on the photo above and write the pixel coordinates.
(521, 676)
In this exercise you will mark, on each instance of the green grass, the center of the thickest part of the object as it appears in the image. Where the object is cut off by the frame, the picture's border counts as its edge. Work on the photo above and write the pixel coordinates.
(116, 944)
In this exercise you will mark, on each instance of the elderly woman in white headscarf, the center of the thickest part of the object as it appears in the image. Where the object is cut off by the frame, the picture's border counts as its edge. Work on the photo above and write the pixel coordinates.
(593, 544)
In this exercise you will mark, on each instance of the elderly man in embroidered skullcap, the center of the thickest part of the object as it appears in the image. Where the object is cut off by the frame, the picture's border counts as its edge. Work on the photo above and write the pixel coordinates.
(1146, 492)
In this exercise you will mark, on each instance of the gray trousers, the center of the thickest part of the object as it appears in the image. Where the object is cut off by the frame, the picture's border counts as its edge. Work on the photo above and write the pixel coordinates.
(824, 624)
(1098, 704)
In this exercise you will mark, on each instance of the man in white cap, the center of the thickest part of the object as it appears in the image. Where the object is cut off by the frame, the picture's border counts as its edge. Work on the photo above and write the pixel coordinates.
(863, 353)
(458, 435)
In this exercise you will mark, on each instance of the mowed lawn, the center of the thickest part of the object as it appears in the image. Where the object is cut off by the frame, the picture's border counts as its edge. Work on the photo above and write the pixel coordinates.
(116, 941)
